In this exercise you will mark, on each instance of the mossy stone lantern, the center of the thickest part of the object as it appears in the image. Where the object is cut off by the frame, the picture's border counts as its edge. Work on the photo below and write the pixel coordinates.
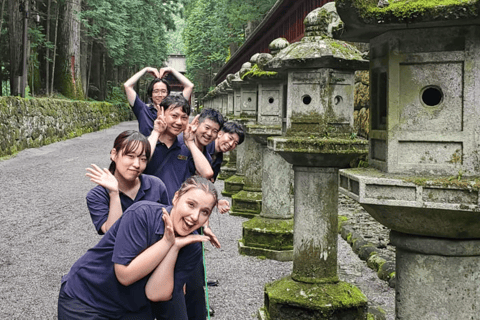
(317, 141)
(245, 108)
(271, 233)
(423, 179)
(248, 202)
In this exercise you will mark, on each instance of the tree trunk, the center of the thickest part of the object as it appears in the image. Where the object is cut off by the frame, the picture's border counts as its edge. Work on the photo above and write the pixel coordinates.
(69, 79)
(55, 45)
(1, 15)
(15, 36)
(47, 63)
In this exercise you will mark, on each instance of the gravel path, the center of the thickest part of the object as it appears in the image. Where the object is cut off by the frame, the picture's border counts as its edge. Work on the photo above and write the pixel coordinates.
(45, 227)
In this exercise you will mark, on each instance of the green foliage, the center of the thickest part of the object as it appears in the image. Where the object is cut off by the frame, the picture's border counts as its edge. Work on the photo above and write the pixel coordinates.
(175, 42)
(133, 32)
(211, 27)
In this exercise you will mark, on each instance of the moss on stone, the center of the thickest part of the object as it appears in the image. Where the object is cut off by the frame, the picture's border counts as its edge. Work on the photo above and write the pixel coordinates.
(322, 145)
(323, 300)
(341, 221)
(400, 11)
(255, 72)
(36, 122)
(270, 225)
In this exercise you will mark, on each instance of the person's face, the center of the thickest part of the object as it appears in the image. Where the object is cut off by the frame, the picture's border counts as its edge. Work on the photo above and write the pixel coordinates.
(191, 211)
(176, 119)
(207, 131)
(226, 141)
(129, 165)
(159, 92)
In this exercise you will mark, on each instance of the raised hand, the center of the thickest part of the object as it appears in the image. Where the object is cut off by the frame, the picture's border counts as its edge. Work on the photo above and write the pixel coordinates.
(213, 238)
(103, 178)
(154, 72)
(168, 234)
(164, 71)
(189, 133)
(223, 205)
(160, 124)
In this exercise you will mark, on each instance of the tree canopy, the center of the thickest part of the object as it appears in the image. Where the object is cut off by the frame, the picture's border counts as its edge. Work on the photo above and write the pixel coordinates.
(213, 29)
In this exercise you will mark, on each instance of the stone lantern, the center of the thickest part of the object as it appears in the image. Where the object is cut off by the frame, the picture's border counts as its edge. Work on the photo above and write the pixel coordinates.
(423, 178)
(317, 141)
(245, 104)
(248, 201)
(271, 233)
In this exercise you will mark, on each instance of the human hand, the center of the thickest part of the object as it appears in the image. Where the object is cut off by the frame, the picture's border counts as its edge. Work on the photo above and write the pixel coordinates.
(160, 124)
(189, 133)
(103, 178)
(223, 205)
(181, 242)
(168, 234)
(154, 72)
(164, 71)
(213, 238)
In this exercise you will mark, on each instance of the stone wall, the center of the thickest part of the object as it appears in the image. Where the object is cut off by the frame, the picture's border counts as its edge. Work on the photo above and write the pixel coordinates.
(36, 122)
(362, 103)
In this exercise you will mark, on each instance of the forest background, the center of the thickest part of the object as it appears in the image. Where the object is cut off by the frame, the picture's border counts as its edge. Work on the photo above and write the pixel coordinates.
(86, 49)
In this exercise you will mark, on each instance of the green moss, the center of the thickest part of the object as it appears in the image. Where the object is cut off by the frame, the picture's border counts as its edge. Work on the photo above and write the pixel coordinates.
(236, 180)
(272, 234)
(255, 72)
(51, 120)
(341, 221)
(413, 10)
(375, 262)
(322, 300)
(322, 145)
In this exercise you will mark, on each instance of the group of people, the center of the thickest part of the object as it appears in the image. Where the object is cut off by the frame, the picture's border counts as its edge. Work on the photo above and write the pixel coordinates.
(151, 207)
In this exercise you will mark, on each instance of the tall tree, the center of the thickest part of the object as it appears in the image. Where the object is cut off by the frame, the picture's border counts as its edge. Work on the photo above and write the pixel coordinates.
(15, 36)
(68, 74)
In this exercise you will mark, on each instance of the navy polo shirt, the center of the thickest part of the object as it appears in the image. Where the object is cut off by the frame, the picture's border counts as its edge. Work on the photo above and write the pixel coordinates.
(92, 278)
(170, 165)
(98, 199)
(215, 159)
(146, 115)
(191, 164)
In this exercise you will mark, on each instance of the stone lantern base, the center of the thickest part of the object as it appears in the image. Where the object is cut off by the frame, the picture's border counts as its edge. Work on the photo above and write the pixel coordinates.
(271, 238)
(233, 185)
(246, 203)
(436, 278)
(287, 299)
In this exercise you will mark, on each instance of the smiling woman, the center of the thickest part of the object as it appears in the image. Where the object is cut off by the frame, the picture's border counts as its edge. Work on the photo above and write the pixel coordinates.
(123, 183)
(148, 254)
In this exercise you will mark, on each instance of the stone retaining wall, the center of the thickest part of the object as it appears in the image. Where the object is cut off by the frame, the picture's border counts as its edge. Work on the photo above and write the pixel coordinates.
(36, 122)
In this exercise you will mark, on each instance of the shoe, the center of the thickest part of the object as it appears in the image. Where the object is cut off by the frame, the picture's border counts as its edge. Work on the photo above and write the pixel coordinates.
(212, 283)
(212, 312)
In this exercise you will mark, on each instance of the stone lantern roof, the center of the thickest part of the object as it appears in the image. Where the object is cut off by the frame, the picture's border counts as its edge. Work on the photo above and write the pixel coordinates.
(366, 19)
(317, 48)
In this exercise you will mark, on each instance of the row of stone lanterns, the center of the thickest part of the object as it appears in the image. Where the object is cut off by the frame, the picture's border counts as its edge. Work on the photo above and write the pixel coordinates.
(298, 135)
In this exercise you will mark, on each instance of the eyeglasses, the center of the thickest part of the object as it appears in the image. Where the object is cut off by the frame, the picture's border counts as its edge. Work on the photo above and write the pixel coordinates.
(163, 91)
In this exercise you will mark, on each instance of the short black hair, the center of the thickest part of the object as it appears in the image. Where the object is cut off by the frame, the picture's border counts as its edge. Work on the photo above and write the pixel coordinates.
(235, 127)
(176, 101)
(213, 115)
(153, 82)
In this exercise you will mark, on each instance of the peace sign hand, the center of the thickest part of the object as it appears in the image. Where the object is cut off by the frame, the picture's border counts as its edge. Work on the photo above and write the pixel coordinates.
(160, 124)
(103, 178)
(189, 133)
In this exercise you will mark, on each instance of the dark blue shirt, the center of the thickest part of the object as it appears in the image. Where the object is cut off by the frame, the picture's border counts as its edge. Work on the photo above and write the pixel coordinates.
(146, 115)
(215, 159)
(92, 278)
(170, 165)
(98, 199)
